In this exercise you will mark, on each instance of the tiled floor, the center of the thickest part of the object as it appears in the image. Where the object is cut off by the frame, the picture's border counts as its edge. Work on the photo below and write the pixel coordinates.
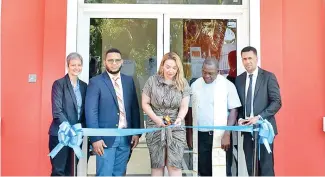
(139, 164)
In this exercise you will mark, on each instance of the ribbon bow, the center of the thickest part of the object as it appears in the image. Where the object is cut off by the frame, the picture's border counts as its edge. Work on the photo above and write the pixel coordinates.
(266, 134)
(69, 136)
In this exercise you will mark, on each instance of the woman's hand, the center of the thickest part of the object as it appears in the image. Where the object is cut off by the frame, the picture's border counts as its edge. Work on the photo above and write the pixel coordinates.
(178, 121)
(159, 121)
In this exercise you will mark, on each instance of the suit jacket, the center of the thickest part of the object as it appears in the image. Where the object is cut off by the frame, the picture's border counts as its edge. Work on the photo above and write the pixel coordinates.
(64, 104)
(267, 99)
(102, 109)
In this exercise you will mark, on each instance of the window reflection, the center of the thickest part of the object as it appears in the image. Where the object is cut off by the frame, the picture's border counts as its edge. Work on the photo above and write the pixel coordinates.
(137, 41)
(197, 39)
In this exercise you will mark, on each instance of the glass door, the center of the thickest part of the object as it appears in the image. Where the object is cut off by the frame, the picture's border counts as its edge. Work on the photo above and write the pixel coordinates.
(196, 37)
(139, 37)
(143, 38)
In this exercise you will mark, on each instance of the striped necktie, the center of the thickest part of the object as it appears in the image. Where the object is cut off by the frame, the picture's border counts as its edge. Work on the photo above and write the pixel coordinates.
(118, 91)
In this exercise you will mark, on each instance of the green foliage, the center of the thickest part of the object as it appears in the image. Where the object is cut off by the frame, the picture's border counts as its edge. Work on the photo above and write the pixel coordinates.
(136, 38)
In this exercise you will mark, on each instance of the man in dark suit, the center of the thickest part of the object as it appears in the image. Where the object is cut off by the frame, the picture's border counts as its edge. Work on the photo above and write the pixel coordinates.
(68, 98)
(259, 93)
(111, 102)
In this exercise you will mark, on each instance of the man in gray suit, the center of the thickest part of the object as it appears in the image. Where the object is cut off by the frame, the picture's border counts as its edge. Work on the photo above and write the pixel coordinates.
(259, 94)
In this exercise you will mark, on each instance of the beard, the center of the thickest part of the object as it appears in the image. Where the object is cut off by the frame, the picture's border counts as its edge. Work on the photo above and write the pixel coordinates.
(113, 72)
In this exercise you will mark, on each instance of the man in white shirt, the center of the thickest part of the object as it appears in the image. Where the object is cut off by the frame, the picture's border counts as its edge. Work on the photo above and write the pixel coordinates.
(207, 101)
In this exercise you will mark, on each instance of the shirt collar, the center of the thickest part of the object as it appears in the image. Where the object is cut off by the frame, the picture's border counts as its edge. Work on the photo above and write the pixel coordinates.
(77, 85)
(254, 73)
(162, 81)
(112, 76)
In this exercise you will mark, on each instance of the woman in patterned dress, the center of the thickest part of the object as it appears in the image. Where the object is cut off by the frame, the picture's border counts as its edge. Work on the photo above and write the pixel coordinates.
(166, 94)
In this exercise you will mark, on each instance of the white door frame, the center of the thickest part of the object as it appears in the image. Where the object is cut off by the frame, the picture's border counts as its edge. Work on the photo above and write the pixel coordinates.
(79, 14)
(242, 38)
(83, 35)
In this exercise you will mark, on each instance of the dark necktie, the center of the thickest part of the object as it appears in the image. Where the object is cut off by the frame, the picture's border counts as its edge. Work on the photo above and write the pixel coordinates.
(249, 97)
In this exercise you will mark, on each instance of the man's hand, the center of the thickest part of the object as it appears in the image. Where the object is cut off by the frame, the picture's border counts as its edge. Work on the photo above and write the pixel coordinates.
(252, 120)
(135, 141)
(225, 141)
(99, 147)
(242, 121)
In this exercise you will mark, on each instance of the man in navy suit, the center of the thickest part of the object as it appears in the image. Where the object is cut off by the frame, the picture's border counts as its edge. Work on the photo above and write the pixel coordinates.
(111, 102)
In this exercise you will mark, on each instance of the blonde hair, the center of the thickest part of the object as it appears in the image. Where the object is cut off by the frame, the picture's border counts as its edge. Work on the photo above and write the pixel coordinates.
(179, 77)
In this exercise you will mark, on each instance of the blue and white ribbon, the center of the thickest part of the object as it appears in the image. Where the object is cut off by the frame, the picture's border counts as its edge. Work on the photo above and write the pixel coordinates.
(69, 136)
(72, 136)
(266, 134)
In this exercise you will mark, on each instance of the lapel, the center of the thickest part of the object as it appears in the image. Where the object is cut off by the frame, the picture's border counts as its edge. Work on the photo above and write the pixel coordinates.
(110, 86)
(242, 89)
(259, 81)
(69, 85)
(124, 87)
(83, 92)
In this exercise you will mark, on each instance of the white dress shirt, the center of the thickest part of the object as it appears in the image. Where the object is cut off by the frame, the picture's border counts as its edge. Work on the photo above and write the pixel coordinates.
(206, 103)
(119, 82)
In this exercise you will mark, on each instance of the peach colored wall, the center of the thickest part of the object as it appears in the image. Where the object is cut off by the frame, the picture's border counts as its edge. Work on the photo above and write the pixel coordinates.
(22, 50)
(53, 67)
(292, 46)
(33, 41)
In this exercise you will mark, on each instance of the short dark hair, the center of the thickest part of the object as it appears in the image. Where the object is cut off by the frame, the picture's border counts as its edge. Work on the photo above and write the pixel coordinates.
(113, 50)
(211, 62)
(248, 49)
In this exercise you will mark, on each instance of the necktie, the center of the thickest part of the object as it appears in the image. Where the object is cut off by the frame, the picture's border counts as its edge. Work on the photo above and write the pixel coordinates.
(249, 97)
(118, 91)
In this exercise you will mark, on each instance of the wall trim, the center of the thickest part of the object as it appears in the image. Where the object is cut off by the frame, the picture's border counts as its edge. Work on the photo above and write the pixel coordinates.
(72, 23)
(255, 26)
(0, 85)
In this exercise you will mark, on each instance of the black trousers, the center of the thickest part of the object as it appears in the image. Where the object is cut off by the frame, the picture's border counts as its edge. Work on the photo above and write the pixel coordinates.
(230, 158)
(205, 143)
(266, 162)
(62, 163)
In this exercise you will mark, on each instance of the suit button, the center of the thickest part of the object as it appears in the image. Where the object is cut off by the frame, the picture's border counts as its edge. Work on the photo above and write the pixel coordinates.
(117, 125)
(118, 114)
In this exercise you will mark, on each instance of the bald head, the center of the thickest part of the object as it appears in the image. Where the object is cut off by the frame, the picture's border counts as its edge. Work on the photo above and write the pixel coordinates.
(210, 70)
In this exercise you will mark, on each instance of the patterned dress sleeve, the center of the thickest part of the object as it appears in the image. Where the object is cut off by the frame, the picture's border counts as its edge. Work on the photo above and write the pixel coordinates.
(147, 89)
(187, 89)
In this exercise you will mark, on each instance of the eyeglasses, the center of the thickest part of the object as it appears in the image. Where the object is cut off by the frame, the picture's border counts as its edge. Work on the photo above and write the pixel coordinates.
(111, 61)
